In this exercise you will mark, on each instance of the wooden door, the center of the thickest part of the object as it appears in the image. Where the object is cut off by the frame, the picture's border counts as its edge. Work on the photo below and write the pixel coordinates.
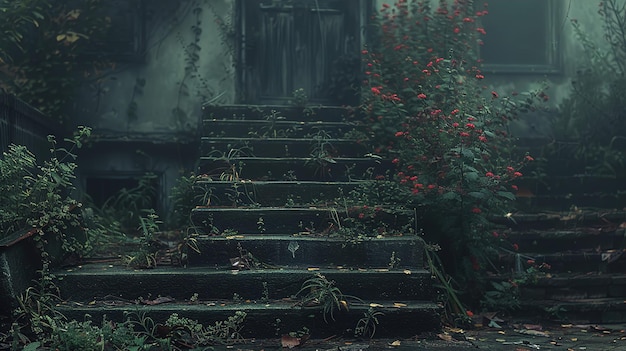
(312, 45)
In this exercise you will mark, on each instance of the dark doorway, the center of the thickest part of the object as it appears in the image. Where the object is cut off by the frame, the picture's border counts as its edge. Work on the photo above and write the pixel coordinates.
(312, 45)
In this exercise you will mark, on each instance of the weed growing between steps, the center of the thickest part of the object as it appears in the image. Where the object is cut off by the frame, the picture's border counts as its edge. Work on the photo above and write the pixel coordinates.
(428, 108)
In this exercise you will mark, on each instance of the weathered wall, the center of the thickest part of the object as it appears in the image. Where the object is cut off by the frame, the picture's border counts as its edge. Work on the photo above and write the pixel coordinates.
(176, 82)
(146, 114)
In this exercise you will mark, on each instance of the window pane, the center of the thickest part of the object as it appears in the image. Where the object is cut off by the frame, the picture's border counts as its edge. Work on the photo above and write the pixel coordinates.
(519, 32)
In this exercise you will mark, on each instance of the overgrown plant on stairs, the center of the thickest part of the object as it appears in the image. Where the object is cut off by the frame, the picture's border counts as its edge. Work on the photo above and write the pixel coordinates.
(426, 105)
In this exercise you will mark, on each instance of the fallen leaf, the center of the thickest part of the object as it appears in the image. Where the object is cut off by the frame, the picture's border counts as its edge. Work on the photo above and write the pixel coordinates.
(574, 339)
(398, 304)
(532, 332)
(288, 341)
(376, 305)
(446, 337)
(406, 271)
(158, 301)
(313, 269)
(395, 343)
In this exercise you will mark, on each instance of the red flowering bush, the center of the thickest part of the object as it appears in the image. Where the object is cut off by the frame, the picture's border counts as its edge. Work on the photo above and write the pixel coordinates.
(429, 111)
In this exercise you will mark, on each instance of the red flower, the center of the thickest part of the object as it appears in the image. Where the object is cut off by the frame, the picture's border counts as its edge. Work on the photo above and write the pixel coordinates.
(515, 247)
(529, 158)
(514, 187)
(495, 234)
(421, 96)
(457, 30)
(489, 174)
(517, 174)
(399, 134)
(375, 91)
(361, 215)
(470, 125)
(476, 210)
(395, 161)
(455, 124)
(480, 76)
(481, 30)
(494, 94)
(469, 313)
(464, 134)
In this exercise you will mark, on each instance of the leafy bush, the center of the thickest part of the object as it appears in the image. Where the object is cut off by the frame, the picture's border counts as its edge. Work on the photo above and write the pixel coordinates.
(429, 110)
(37, 196)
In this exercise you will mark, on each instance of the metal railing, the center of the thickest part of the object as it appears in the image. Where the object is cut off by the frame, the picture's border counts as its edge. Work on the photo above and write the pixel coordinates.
(22, 124)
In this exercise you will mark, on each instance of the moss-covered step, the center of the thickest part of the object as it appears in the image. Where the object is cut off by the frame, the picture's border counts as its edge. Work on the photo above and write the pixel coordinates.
(575, 286)
(292, 220)
(270, 193)
(292, 168)
(98, 281)
(273, 318)
(280, 147)
(278, 112)
(576, 239)
(562, 192)
(405, 252)
(581, 261)
(579, 311)
(276, 129)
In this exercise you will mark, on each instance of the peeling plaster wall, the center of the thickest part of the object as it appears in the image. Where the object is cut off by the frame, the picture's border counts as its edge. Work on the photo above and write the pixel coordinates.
(161, 136)
(171, 99)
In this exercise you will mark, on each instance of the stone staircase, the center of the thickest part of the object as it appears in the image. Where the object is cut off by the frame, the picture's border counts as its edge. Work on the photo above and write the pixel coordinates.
(267, 221)
(573, 230)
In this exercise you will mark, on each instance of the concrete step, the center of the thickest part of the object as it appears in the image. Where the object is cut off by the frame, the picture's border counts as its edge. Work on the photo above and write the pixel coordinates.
(293, 220)
(271, 129)
(575, 239)
(405, 252)
(291, 168)
(561, 192)
(270, 193)
(597, 311)
(574, 287)
(279, 112)
(269, 319)
(101, 281)
(280, 147)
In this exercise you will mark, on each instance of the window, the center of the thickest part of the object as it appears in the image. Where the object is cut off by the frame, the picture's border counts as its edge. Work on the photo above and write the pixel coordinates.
(125, 39)
(521, 36)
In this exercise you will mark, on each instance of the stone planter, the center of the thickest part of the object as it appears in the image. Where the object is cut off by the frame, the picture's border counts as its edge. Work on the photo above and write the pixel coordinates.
(20, 260)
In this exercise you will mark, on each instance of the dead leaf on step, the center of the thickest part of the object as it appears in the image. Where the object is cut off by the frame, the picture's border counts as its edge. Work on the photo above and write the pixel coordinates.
(398, 304)
(533, 326)
(376, 305)
(158, 301)
(313, 269)
(445, 337)
(406, 271)
(395, 343)
(288, 341)
(533, 332)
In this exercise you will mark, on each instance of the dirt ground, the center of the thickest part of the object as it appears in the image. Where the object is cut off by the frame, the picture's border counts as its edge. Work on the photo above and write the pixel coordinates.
(515, 337)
